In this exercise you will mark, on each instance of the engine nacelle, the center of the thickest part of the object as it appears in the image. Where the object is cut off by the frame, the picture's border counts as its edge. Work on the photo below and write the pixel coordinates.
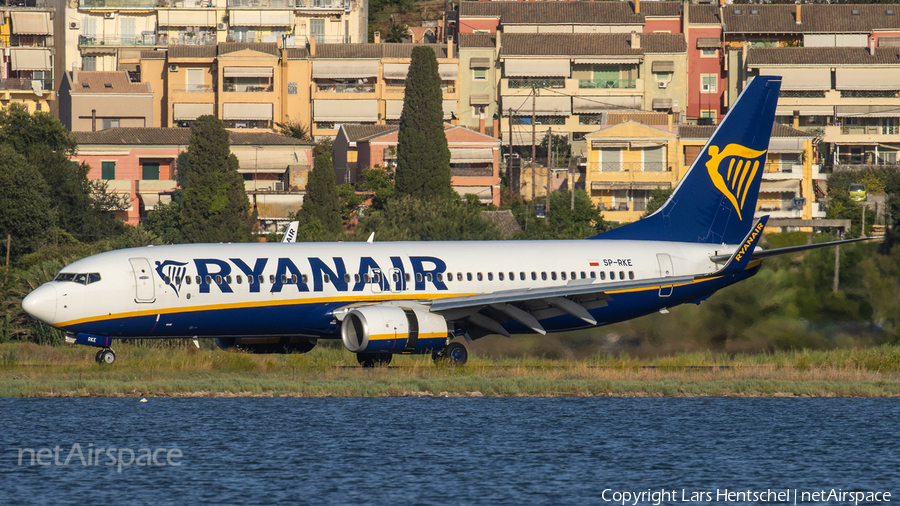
(265, 345)
(393, 329)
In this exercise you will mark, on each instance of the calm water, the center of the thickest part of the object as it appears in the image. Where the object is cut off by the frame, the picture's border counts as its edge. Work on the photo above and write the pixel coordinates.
(446, 451)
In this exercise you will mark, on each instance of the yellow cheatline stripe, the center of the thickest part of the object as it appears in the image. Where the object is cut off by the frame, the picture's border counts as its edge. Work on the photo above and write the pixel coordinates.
(388, 337)
(272, 303)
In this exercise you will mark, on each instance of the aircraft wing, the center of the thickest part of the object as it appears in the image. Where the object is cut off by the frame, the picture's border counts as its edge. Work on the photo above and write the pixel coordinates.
(487, 310)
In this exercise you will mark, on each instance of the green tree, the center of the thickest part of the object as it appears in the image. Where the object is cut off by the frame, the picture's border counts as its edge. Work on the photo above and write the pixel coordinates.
(321, 202)
(423, 158)
(409, 218)
(215, 206)
(379, 183)
(295, 129)
(560, 149)
(658, 197)
(396, 33)
(561, 222)
(24, 203)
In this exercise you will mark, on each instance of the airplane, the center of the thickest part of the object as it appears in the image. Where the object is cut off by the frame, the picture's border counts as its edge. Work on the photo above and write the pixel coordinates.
(290, 233)
(387, 298)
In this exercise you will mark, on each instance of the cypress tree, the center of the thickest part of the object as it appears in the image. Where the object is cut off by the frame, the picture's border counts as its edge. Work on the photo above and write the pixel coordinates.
(423, 158)
(321, 201)
(215, 207)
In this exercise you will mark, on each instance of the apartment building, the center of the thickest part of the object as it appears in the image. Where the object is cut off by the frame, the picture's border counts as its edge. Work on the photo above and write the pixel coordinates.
(110, 34)
(364, 84)
(479, 108)
(569, 82)
(474, 159)
(345, 150)
(92, 101)
(847, 96)
(140, 163)
(27, 59)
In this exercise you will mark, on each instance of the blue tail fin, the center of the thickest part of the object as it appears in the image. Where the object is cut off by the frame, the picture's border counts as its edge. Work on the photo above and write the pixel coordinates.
(716, 198)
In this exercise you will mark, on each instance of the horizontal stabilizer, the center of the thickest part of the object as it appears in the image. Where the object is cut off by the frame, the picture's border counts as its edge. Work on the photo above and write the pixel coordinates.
(741, 258)
(761, 254)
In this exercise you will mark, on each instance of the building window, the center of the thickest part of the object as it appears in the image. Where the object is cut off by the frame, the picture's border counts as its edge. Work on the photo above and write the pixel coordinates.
(709, 52)
(110, 123)
(663, 76)
(150, 171)
(108, 170)
(479, 74)
(708, 83)
(88, 63)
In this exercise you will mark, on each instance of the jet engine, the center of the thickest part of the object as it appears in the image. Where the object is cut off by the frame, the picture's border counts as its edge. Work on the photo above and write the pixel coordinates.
(265, 345)
(391, 329)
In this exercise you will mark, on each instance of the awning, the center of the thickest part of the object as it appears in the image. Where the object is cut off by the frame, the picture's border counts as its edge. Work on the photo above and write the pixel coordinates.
(30, 59)
(480, 63)
(345, 110)
(188, 112)
(187, 17)
(888, 41)
(248, 72)
(247, 111)
(593, 105)
(448, 71)
(31, 23)
(484, 99)
(662, 66)
(521, 138)
(662, 103)
(471, 155)
(801, 78)
(392, 109)
(868, 78)
(344, 69)
(804, 110)
(483, 193)
(605, 185)
(607, 61)
(536, 68)
(450, 107)
(872, 111)
(130, 67)
(708, 43)
(608, 145)
(150, 200)
(544, 106)
(784, 186)
(396, 70)
(261, 18)
(786, 144)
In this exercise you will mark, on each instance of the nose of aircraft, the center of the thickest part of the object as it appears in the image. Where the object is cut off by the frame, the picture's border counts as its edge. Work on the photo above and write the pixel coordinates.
(41, 303)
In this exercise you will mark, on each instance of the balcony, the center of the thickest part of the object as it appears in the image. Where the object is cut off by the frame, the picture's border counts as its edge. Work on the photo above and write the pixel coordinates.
(607, 84)
(345, 88)
(536, 82)
(862, 134)
(202, 39)
(870, 130)
(26, 40)
(246, 88)
(287, 4)
(629, 167)
(192, 88)
(117, 4)
(134, 40)
(22, 84)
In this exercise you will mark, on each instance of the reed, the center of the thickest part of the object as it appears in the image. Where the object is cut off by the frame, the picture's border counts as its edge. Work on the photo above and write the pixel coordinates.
(28, 369)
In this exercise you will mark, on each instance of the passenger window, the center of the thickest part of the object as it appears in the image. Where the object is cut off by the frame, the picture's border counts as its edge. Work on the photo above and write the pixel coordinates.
(272, 278)
(630, 274)
(543, 276)
(218, 279)
(209, 279)
(459, 276)
(490, 276)
(449, 276)
(500, 276)
(553, 275)
(261, 279)
(376, 278)
(573, 275)
(582, 275)
(187, 280)
(612, 274)
(283, 278)
(593, 275)
(563, 275)
(440, 276)
(239, 280)
(428, 277)
(621, 274)
(326, 278)
(346, 278)
(469, 276)
(512, 276)
(480, 277)
(228, 279)
(602, 275)
(407, 277)
(418, 277)
(533, 276)
(303, 277)
(166, 280)
(294, 278)
(177, 280)
(367, 278)
(522, 276)
(199, 280)
(397, 278)
(356, 278)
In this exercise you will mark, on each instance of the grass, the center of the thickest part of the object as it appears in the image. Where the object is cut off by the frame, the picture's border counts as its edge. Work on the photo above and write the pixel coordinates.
(30, 370)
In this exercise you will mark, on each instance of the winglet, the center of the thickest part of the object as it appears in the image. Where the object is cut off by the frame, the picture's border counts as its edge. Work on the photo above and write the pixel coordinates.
(371, 238)
(740, 259)
(290, 233)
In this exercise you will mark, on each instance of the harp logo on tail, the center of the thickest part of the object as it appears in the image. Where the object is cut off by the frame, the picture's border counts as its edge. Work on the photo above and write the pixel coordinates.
(734, 178)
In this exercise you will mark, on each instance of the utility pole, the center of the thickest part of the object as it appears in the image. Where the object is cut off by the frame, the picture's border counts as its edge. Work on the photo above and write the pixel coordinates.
(549, 159)
(863, 230)
(533, 137)
(513, 180)
(837, 262)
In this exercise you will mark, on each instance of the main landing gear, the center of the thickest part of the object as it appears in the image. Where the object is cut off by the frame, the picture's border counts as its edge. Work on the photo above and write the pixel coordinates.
(455, 353)
(105, 356)
(373, 359)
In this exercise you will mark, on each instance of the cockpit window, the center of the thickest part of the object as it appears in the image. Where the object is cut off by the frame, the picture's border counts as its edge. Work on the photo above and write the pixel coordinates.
(80, 278)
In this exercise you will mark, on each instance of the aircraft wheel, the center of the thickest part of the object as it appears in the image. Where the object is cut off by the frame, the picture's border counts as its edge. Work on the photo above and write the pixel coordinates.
(97, 356)
(439, 356)
(107, 356)
(457, 353)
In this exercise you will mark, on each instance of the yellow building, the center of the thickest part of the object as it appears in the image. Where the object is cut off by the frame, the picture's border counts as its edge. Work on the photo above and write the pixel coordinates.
(627, 161)
(26, 69)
